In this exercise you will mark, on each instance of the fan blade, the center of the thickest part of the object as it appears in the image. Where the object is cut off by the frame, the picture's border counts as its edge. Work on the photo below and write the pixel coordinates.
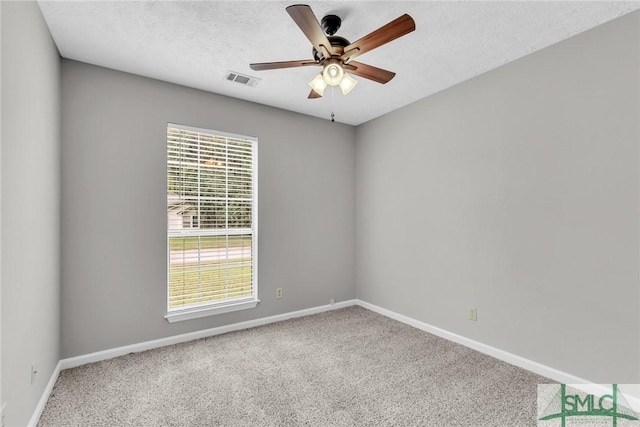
(314, 95)
(394, 29)
(284, 64)
(303, 16)
(370, 72)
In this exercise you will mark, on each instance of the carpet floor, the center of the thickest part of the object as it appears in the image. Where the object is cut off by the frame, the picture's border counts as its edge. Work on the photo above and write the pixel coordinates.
(347, 367)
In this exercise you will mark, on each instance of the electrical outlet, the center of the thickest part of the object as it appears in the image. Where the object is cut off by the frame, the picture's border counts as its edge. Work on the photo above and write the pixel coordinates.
(34, 371)
(473, 314)
(332, 301)
(279, 293)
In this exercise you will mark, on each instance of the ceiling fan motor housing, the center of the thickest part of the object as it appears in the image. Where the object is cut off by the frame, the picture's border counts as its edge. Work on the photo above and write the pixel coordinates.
(337, 43)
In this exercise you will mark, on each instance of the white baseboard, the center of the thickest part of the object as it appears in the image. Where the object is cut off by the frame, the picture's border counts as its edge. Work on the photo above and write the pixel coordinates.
(546, 371)
(72, 362)
(35, 417)
(538, 368)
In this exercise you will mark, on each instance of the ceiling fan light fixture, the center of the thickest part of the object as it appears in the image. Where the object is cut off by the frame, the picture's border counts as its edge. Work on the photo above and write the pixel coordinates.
(347, 84)
(333, 72)
(318, 84)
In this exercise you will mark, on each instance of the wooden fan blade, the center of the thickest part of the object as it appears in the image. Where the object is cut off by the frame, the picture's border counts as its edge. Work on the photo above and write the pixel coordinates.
(314, 95)
(370, 72)
(394, 29)
(303, 16)
(284, 64)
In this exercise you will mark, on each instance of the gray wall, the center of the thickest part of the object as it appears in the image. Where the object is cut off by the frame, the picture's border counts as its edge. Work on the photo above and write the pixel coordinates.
(517, 193)
(114, 205)
(30, 182)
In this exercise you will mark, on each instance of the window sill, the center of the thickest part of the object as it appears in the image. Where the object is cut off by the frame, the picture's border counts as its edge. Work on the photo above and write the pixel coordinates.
(195, 313)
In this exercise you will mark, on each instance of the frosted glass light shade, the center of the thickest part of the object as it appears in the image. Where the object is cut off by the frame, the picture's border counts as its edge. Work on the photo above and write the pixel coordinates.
(333, 73)
(318, 84)
(347, 84)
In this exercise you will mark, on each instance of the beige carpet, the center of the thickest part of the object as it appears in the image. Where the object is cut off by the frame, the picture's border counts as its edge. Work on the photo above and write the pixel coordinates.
(348, 367)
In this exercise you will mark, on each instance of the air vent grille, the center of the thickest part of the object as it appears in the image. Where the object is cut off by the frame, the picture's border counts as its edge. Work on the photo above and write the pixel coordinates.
(242, 79)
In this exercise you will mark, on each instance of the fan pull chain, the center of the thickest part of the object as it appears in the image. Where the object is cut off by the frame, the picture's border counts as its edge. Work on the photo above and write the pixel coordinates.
(332, 115)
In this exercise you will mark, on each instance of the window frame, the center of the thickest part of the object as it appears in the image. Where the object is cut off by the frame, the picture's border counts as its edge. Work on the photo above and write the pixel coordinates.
(231, 304)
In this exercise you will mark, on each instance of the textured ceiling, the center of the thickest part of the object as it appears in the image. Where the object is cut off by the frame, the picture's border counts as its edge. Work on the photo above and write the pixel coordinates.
(195, 43)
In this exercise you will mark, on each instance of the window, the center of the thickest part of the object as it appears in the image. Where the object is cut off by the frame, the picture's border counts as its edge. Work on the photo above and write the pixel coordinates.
(211, 222)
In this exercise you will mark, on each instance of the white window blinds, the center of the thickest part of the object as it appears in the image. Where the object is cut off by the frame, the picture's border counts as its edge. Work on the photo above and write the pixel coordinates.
(211, 218)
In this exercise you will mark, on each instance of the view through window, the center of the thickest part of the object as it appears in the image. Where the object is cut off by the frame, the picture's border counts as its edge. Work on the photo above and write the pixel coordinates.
(211, 218)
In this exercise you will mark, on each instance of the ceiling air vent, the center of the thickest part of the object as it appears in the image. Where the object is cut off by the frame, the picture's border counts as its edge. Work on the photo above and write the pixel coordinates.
(243, 79)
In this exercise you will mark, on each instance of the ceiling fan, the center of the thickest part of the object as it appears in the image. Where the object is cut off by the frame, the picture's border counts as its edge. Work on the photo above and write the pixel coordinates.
(335, 54)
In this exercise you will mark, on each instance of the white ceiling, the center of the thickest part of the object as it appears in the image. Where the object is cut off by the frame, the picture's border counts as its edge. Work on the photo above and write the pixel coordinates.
(195, 43)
